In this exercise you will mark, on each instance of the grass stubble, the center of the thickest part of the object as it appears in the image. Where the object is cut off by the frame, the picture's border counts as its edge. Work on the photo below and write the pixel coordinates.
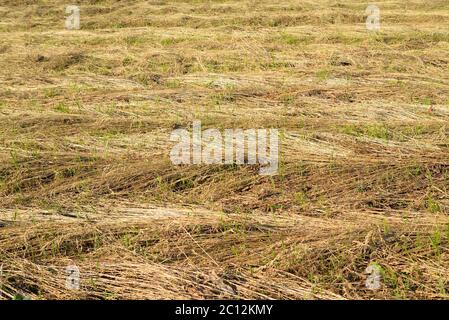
(85, 177)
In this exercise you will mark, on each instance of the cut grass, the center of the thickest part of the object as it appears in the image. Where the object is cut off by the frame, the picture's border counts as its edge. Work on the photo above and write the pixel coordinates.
(85, 175)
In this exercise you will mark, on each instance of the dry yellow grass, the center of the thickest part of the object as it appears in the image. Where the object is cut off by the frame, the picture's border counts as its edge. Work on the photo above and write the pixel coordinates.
(85, 176)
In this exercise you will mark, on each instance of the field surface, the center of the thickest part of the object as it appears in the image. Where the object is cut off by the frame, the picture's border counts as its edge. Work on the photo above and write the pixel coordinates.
(86, 178)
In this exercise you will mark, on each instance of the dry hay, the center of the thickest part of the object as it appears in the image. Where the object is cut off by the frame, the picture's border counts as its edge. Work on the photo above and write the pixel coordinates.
(85, 176)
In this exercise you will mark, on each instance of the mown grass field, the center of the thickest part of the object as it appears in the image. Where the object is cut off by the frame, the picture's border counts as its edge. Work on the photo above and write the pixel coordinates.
(86, 178)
